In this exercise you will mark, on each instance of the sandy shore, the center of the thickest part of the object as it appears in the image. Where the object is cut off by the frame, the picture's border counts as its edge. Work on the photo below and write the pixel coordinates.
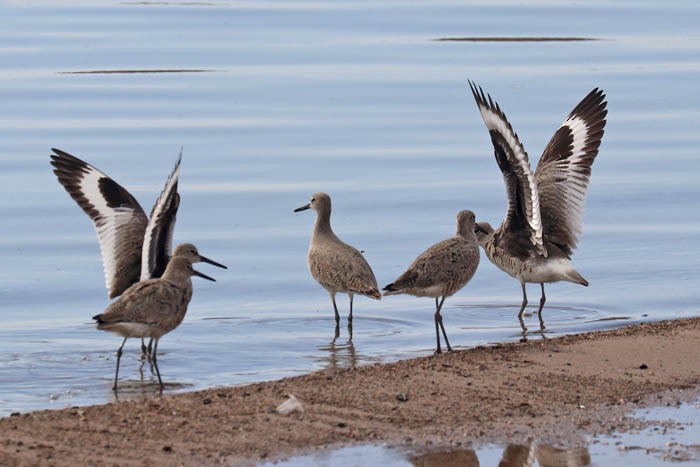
(554, 389)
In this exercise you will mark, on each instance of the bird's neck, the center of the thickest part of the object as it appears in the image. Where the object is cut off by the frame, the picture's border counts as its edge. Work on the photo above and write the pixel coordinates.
(176, 277)
(465, 232)
(323, 224)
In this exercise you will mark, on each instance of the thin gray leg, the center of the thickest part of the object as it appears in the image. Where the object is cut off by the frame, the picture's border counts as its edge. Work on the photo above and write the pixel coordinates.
(144, 350)
(543, 299)
(524, 329)
(154, 359)
(437, 328)
(442, 326)
(350, 316)
(522, 307)
(335, 308)
(119, 357)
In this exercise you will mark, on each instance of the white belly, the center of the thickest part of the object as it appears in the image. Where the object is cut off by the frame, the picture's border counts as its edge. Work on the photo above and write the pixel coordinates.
(551, 270)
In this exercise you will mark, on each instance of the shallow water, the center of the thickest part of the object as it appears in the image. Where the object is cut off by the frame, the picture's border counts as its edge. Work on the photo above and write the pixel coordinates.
(353, 98)
(671, 437)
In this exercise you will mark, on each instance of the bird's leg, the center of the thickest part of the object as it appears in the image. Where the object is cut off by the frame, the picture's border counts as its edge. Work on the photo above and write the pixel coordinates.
(144, 350)
(119, 357)
(442, 326)
(522, 307)
(335, 308)
(154, 359)
(524, 329)
(543, 299)
(437, 330)
(150, 348)
(350, 316)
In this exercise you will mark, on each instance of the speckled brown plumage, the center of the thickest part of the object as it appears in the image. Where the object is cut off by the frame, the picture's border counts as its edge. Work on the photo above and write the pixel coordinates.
(151, 308)
(442, 270)
(334, 264)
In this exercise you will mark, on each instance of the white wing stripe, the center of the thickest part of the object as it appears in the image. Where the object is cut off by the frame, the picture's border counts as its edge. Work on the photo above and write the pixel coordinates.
(106, 222)
(579, 128)
(166, 194)
(496, 123)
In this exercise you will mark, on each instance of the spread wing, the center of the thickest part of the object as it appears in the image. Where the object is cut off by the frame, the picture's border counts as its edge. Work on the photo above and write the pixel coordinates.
(564, 170)
(523, 213)
(118, 218)
(158, 238)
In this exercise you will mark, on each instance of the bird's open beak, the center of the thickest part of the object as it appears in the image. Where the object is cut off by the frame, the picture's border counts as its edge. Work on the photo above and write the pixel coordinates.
(204, 259)
(303, 208)
(204, 276)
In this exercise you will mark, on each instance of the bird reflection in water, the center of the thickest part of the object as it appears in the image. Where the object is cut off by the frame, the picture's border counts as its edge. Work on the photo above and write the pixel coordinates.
(339, 354)
(514, 455)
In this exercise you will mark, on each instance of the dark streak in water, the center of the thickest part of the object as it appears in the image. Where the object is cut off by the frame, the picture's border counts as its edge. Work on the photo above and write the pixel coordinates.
(611, 318)
(170, 3)
(516, 39)
(109, 72)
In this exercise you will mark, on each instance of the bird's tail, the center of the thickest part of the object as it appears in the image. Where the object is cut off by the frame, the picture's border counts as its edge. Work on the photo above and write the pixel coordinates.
(98, 318)
(576, 278)
(374, 293)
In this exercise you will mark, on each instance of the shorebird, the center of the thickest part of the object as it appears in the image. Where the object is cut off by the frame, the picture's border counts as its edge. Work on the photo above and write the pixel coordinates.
(134, 247)
(442, 270)
(334, 264)
(151, 308)
(544, 218)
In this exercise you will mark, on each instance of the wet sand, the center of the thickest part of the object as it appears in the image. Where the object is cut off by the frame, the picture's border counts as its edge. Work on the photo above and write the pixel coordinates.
(555, 390)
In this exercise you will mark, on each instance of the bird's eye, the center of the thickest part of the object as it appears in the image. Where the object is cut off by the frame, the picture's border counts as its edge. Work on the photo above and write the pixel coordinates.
(313, 199)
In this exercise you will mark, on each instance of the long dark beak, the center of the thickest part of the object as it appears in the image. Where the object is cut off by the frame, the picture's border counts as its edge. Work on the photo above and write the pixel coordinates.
(204, 259)
(303, 208)
(204, 276)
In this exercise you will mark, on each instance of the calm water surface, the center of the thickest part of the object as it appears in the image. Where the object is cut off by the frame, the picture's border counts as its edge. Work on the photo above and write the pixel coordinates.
(353, 98)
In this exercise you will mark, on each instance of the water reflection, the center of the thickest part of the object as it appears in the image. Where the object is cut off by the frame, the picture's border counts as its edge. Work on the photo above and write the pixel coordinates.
(339, 354)
(552, 320)
(461, 458)
(517, 455)
(514, 455)
(552, 456)
(142, 389)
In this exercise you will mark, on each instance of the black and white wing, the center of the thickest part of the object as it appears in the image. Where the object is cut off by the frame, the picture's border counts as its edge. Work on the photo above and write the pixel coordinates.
(523, 213)
(564, 170)
(118, 218)
(158, 239)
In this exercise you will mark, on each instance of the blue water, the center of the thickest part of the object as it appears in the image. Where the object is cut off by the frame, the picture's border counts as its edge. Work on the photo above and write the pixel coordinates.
(353, 98)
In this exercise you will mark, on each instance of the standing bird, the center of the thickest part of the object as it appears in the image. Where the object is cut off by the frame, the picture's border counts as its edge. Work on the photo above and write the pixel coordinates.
(442, 270)
(545, 210)
(337, 266)
(151, 308)
(133, 246)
